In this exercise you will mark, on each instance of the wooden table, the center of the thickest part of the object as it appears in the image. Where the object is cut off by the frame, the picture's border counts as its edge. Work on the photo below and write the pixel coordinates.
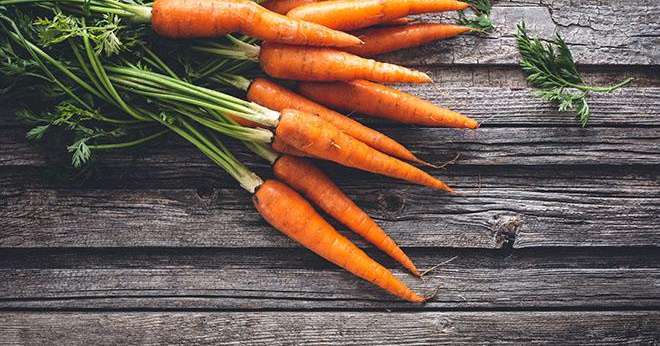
(554, 236)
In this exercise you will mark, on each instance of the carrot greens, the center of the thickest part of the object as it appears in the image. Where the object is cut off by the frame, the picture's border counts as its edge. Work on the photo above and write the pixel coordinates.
(550, 67)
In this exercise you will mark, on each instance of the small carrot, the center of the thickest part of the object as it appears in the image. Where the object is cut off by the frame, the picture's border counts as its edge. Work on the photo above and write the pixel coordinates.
(326, 64)
(319, 138)
(349, 15)
(389, 39)
(213, 18)
(317, 187)
(292, 215)
(381, 101)
(276, 97)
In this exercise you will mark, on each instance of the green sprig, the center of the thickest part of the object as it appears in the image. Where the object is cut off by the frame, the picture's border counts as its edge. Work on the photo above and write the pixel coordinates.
(550, 67)
(481, 20)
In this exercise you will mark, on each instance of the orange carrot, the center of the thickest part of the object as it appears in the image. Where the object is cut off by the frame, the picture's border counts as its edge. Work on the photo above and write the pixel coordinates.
(385, 40)
(319, 138)
(349, 15)
(284, 6)
(292, 215)
(380, 101)
(283, 148)
(326, 64)
(317, 187)
(276, 97)
(213, 18)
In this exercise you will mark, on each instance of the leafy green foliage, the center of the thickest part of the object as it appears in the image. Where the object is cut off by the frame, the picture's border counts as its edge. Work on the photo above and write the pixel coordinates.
(550, 67)
(481, 20)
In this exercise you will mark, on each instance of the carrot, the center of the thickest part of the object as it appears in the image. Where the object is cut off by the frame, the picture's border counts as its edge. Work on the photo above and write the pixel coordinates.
(380, 101)
(292, 215)
(349, 15)
(276, 97)
(397, 21)
(388, 39)
(317, 187)
(319, 138)
(326, 64)
(284, 6)
(283, 148)
(213, 18)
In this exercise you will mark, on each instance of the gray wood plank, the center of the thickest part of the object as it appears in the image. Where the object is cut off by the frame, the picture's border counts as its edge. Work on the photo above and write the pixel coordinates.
(510, 103)
(539, 206)
(326, 328)
(298, 279)
(609, 32)
(485, 146)
(330, 328)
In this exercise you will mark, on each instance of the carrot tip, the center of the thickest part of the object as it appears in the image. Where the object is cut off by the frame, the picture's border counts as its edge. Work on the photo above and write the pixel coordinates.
(425, 163)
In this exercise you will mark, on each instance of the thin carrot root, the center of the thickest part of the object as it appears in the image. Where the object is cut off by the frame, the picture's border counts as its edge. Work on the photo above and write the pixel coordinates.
(422, 274)
(213, 18)
(321, 139)
(378, 100)
(389, 39)
(310, 181)
(276, 97)
(326, 64)
(292, 215)
(349, 15)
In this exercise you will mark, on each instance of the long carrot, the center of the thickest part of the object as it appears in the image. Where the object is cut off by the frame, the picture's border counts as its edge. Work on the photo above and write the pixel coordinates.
(317, 187)
(389, 39)
(292, 215)
(349, 15)
(213, 18)
(381, 101)
(326, 64)
(317, 137)
(276, 97)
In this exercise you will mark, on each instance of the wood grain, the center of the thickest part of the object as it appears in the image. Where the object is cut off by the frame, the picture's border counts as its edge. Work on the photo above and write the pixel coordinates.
(557, 207)
(611, 32)
(297, 279)
(345, 328)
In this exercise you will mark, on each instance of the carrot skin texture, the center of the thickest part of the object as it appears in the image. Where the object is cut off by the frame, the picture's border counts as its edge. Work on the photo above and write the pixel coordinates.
(292, 215)
(281, 147)
(317, 137)
(213, 18)
(389, 39)
(278, 98)
(381, 101)
(349, 15)
(311, 182)
(284, 6)
(327, 64)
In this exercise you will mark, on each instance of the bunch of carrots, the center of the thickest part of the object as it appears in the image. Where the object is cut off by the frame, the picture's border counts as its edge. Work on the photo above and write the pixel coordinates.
(325, 46)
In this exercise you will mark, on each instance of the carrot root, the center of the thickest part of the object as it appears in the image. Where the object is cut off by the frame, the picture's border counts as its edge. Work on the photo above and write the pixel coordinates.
(349, 15)
(213, 18)
(317, 187)
(326, 64)
(276, 97)
(292, 215)
(321, 139)
(381, 101)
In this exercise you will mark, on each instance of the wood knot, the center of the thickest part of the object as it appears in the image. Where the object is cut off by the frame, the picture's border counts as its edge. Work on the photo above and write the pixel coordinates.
(391, 203)
(206, 193)
(506, 229)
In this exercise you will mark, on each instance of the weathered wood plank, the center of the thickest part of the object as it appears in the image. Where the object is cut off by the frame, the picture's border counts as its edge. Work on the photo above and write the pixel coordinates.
(297, 279)
(485, 146)
(598, 32)
(513, 104)
(539, 206)
(331, 328)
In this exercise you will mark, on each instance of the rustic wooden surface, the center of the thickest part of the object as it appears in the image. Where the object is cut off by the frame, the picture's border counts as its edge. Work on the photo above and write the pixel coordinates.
(554, 237)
